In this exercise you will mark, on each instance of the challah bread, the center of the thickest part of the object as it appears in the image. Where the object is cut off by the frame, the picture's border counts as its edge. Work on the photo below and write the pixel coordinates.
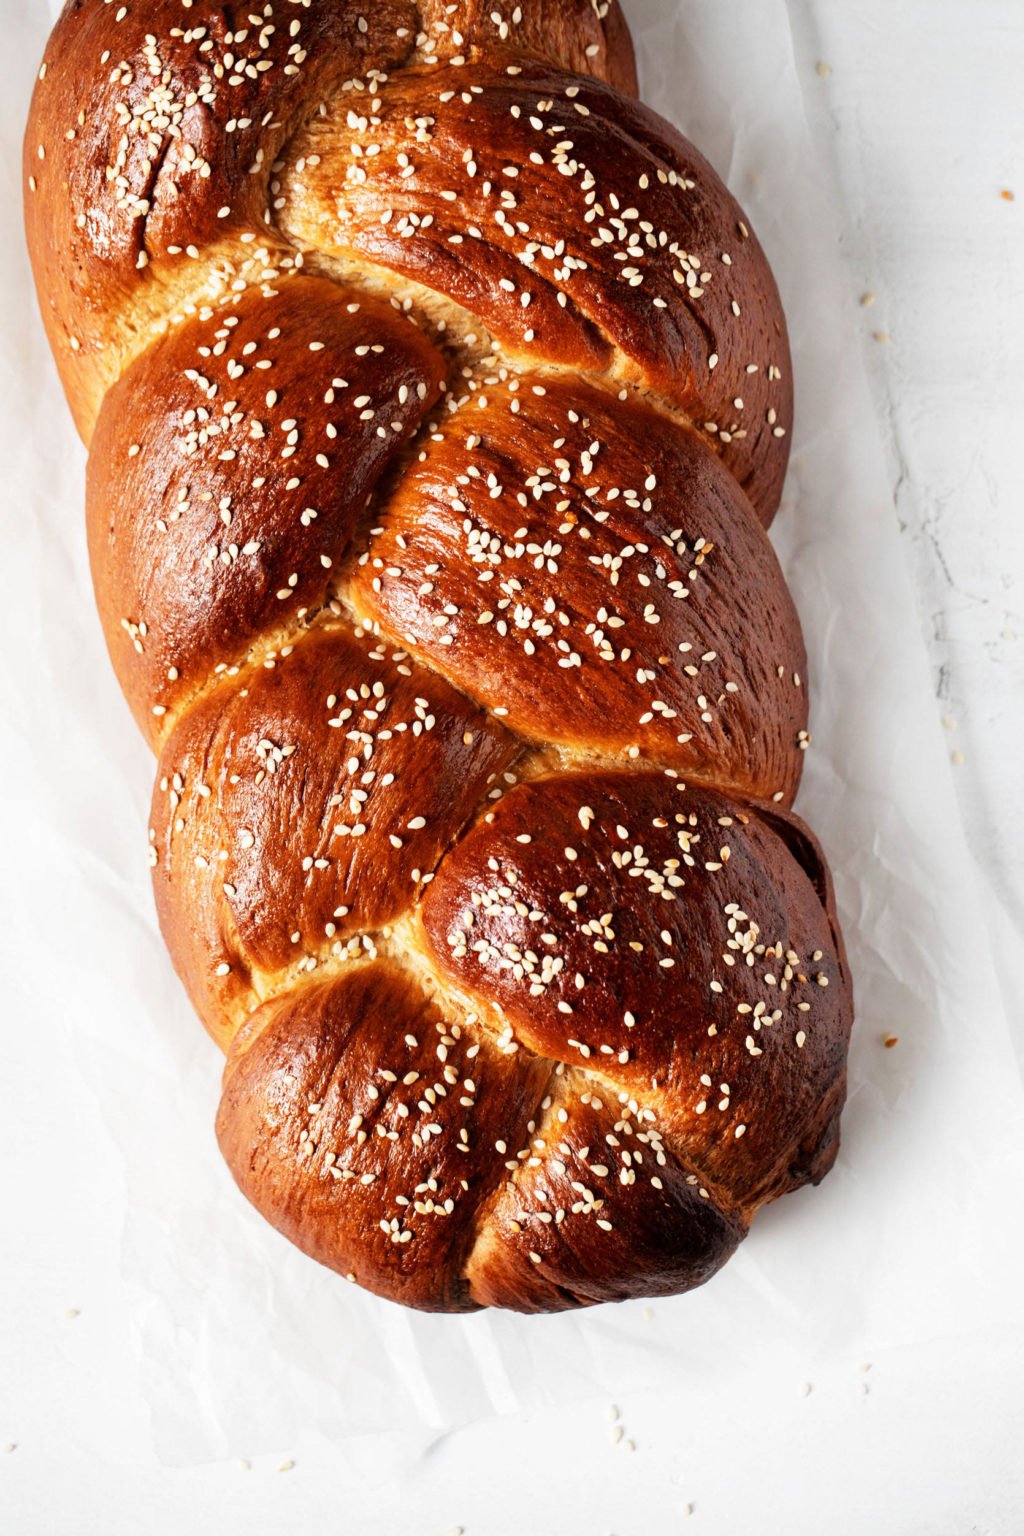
(437, 397)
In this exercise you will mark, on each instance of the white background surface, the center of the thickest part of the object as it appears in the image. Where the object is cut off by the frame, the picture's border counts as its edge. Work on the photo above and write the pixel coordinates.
(918, 127)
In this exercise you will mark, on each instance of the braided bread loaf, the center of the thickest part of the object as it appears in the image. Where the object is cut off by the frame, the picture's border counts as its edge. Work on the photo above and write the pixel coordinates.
(437, 397)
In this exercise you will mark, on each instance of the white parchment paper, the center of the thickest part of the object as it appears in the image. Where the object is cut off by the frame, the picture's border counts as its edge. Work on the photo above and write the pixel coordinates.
(241, 1341)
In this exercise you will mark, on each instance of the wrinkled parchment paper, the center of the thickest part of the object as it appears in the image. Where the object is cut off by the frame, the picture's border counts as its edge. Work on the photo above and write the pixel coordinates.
(241, 1341)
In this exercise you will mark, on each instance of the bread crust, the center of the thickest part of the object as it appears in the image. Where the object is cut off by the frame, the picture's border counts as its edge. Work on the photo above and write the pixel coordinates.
(438, 397)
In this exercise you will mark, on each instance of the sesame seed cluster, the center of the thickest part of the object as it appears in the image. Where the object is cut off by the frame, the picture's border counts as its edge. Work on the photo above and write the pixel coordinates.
(438, 398)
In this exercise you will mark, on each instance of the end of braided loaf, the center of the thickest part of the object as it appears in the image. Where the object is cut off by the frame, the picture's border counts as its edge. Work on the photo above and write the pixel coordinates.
(438, 397)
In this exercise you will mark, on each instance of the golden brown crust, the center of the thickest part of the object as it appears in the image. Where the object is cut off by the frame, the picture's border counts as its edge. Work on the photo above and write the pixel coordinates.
(363, 1120)
(578, 226)
(667, 937)
(599, 1208)
(578, 35)
(589, 571)
(437, 392)
(159, 124)
(229, 466)
(306, 803)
